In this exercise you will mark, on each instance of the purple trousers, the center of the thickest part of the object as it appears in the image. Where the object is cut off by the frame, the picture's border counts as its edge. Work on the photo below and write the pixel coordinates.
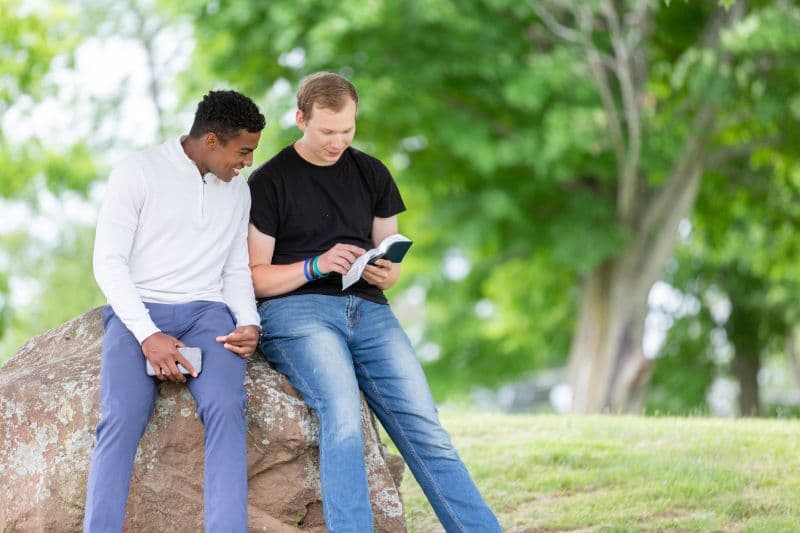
(128, 396)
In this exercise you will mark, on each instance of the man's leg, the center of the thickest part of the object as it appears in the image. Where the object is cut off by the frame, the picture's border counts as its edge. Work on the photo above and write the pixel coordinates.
(304, 336)
(221, 400)
(395, 385)
(127, 398)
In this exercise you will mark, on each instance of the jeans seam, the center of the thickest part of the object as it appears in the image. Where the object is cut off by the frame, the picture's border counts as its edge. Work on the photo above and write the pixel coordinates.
(411, 447)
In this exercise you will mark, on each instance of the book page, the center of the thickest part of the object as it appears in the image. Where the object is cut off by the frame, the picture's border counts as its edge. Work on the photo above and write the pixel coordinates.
(357, 268)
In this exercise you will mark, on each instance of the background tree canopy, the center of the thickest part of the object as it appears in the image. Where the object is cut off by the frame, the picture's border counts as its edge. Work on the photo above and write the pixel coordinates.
(549, 153)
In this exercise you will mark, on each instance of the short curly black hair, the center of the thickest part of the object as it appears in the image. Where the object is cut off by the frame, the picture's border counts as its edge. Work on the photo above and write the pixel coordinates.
(226, 114)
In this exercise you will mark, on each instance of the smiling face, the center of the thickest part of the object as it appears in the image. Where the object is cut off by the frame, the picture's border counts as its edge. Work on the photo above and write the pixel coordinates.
(225, 160)
(326, 133)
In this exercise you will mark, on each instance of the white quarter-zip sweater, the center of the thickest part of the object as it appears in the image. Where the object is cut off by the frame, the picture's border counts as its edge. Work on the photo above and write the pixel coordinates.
(167, 235)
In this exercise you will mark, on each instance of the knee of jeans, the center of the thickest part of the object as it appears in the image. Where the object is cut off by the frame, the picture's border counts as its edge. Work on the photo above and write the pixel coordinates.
(342, 424)
(349, 432)
(435, 441)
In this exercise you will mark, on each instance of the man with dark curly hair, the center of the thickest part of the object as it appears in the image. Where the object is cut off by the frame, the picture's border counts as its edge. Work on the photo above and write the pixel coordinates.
(171, 258)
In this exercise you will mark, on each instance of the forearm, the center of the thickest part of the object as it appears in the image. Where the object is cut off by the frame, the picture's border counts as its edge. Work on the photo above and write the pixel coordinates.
(274, 280)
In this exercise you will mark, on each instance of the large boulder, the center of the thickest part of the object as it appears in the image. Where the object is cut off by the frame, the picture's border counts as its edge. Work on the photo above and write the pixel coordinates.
(49, 407)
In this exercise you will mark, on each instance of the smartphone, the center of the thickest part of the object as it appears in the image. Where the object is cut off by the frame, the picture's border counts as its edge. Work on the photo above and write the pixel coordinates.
(192, 354)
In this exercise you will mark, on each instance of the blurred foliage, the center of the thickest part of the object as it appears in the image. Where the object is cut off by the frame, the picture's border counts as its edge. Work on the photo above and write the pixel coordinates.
(62, 283)
(499, 142)
(42, 43)
(495, 139)
(31, 40)
(34, 41)
(742, 256)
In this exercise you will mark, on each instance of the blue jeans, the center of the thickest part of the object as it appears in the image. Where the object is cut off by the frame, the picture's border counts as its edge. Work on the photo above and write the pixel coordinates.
(128, 396)
(330, 347)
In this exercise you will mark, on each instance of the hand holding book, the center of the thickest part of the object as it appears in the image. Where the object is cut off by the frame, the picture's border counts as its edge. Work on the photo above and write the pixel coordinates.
(392, 248)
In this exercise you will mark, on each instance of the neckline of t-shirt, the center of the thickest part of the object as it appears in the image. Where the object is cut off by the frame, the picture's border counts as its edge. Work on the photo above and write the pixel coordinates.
(314, 165)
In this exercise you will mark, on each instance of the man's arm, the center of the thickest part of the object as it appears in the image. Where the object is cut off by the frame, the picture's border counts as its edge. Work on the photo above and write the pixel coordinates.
(274, 280)
(383, 274)
(116, 228)
(237, 291)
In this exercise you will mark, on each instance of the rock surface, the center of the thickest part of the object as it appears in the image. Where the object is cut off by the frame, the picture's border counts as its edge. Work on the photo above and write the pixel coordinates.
(49, 407)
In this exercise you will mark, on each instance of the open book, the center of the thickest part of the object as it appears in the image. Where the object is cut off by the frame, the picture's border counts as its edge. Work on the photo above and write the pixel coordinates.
(393, 248)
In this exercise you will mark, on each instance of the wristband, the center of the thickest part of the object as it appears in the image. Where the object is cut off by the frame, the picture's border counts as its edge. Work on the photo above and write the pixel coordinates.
(306, 270)
(317, 272)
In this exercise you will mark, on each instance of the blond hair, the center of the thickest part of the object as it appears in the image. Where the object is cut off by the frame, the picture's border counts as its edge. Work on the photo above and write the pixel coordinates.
(325, 89)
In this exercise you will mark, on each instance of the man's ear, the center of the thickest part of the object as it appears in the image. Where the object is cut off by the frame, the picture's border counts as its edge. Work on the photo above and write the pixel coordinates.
(300, 120)
(211, 141)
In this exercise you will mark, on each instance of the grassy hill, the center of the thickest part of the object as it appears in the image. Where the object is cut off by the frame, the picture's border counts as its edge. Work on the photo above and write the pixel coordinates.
(620, 473)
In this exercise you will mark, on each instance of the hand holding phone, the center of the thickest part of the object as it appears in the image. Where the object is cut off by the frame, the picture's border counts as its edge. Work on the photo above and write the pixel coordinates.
(192, 354)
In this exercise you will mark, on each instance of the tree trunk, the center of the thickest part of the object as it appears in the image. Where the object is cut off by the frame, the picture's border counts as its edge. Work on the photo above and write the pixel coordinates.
(742, 329)
(745, 368)
(608, 370)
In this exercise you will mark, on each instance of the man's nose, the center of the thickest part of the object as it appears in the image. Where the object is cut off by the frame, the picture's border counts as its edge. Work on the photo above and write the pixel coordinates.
(339, 140)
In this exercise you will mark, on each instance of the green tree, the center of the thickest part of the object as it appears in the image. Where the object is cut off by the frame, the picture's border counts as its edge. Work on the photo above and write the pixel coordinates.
(40, 49)
(554, 144)
(62, 288)
(742, 249)
(708, 76)
(32, 40)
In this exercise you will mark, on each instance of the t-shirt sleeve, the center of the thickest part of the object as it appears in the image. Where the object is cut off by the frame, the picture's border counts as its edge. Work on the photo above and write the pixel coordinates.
(389, 201)
(264, 202)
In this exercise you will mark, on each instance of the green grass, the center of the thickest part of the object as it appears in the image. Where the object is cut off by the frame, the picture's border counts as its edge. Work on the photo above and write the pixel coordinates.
(618, 473)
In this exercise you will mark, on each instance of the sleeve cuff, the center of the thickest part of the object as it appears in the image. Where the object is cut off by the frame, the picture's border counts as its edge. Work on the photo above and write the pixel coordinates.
(144, 330)
(247, 323)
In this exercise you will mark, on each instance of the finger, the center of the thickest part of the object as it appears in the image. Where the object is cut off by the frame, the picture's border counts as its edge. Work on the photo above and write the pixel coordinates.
(172, 372)
(374, 279)
(241, 350)
(241, 332)
(248, 333)
(230, 335)
(342, 263)
(348, 256)
(339, 269)
(187, 365)
(248, 336)
(374, 275)
(237, 337)
(384, 263)
(357, 250)
(179, 344)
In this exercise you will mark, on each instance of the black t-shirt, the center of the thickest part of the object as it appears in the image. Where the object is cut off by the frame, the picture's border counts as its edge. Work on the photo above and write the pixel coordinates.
(309, 208)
